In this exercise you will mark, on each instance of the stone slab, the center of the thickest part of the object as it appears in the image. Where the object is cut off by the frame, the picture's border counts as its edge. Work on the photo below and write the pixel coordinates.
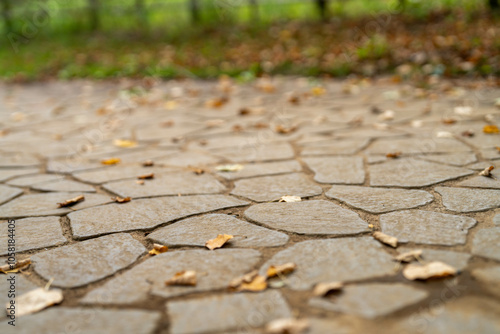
(486, 243)
(343, 170)
(457, 260)
(469, 200)
(259, 152)
(335, 147)
(454, 159)
(29, 180)
(262, 169)
(417, 146)
(115, 173)
(6, 174)
(64, 185)
(489, 277)
(7, 193)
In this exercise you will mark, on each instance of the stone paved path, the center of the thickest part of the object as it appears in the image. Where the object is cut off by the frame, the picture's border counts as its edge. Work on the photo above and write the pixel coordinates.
(328, 145)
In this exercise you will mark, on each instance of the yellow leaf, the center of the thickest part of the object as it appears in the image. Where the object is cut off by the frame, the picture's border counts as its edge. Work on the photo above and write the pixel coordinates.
(125, 143)
(14, 268)
(185, 278)
(431, 270)
(170, 105)
(318, 91)
(250, 282)
(218, 242)
(158, 249)
(121, 200)
(281, 269)
(111, 161)
(490, 129)
(216, 102)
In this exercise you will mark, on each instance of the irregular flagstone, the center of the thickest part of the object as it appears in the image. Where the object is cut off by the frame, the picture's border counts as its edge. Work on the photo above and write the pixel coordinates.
(492, 154)
(22, 285)
(18, 160)
(261, 169)
(465, 315)
(197, 230)
(258, 152)
(483, 181)
(328, 260)
(335, 146)
(216, 314)
(372, 300)
(7, 193)
(120, 172)
(378, 200)
(86, 321)
(427, 227)
(6, 174)
(329, 325)
(46, 204)
(496, 220)
(457, 260)
(269, 188)
(64, 185)
(184, 183)
(26, 181)
(417, 146)
(413, 173)
(70, 165)
(479, 166)
(486, 243)
(144, 213)
(469, 200)
(483, 140)
(345, 170)
(308, 217)
(33, 233)
(455, 159)
(186, 159)
(87, 261)
(489, 277)
(215, 270)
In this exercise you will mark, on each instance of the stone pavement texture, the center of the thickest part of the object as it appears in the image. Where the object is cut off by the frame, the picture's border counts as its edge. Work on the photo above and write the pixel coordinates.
(363, 155)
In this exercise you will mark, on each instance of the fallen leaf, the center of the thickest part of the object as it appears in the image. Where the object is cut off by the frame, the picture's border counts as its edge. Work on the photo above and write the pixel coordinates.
(184, 278)
(111, 161)
(430, 270)
(198, 171)
(463, 110)
(322, 289)
(265, 85)
(146, 176)
(386, 239)
(140, 182)
(283, 269)
(36, 300)
(148, 163)
(449, 121)
(487, 171)
(409, 256)
(393, 155)
(124, 143)
(71, 202)
(216, 102)
(255, 284)
(491, 129)
(387, 115)
(247, 278)
(237, 128)
(158, 249)
(285, 130)
(118, 199)
(444, 134)
(287, 326)
(229, 168)
(318, 91)
(16, 267)
(218, 242)
(468, 133)
(497, 148)
(294, 99)
(170, 105)
(168, 124)
(376, 110)
(290, 199)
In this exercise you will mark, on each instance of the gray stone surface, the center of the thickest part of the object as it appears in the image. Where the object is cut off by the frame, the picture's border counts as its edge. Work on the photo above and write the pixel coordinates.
(427, 227)
(489, 277)
(64, 185)
(6, 174)
(412, 173)
(184, 183)
(379, 200)
(87, 261)
(215, 269)
(242, 312)
(197, 230)
(308, 217)
(496, 220)
(46, 204)
(455, 159)
(372, 300)
(33, 233)
(335, 147)
(7, 193)
(269, 188)
(329, 325)
(262, 169)
(344, 170)
(417, 146)
(482, 181)
(144, 213)
(22, 285)
(186, 159)
(85, 321)
(469, 200)
(328, 260)
(457, 260)
(29, 180)
(486, 243)
(259, 152)
(119, 172)
(18, 160)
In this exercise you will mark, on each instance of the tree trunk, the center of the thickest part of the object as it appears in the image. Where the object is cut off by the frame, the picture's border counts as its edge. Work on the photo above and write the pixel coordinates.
(7, 14)
(194, 8)
(322, 8)
(94, 15)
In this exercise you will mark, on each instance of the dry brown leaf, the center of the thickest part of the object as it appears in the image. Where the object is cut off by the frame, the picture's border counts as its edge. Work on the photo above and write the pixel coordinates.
(198, 171)
(36, 300)
(184, 278)
(430, 270)
(140, 182)
(237, 128)
(290, 199)
(16, 267)
(468, 133)
(449, 121)
(266, 86)
(285, 130)
(71, 201)
(250, 282)
(118, 199)
(409, 256)
(148, 163)
(216, 102)
(158, 249)
(497, 148)
(386, 239)
(146, 176)
(287, 326)
(111, 161)
(294, 99)
(491, 129)
(229, 168)
(124, 143)
(283, 269)
(261, 125)
(376, 110)
(322, 289)
(247, 278)
(218, 242)
(244, 111)
(393, 155)
(487, 171)
(167, 124)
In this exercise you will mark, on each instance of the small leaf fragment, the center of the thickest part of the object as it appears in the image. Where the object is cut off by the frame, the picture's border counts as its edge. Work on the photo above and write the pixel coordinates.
(322, 289)
(229, 168)
(386, 239)
(283, 269)
(409, 256)
(393, 155)
(218, 242)
(158, 249)
(285, 129)
(444, 134)
(198, 171)
(111, 161)
(124, 143)
(71, 201)
(36, 300)
(148, 163)
(146, 176)
(290, 199)
(247, 278)
(491, 129)
(216, 102)
(118, 199)
(183, 278)
(387, 115)
(487, 171)
(16, 267)
(140, 182)
(287, 326)
(318, 91)
(449, 121)
(430, 270)
(255, 284)
(468, 133)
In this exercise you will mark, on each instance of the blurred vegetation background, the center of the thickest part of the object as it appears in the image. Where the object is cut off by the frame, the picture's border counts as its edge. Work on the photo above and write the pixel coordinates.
(44, 39)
